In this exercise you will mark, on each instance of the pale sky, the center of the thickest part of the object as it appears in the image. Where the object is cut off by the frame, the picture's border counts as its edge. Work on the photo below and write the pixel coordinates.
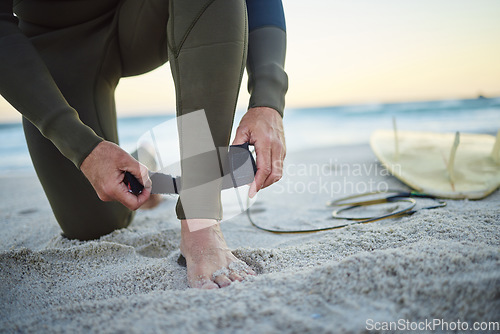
(363, 51)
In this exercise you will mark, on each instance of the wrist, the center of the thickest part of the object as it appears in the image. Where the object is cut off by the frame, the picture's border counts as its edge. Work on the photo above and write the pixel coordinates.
(265, 110)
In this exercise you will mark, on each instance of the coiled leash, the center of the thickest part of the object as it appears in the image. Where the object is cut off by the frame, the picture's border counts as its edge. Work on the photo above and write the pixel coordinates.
(353, 202)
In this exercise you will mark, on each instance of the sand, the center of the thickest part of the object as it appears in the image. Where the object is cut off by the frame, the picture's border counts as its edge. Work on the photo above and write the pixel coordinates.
(441, 264)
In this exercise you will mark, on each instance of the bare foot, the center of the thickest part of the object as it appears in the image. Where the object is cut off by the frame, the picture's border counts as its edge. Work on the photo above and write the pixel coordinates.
(210, 263)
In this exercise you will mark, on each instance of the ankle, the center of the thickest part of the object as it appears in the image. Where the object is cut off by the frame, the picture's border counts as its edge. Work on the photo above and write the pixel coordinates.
(195, 225)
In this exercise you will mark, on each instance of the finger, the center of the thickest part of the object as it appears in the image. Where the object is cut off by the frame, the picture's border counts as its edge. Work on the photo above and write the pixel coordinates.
(277, 166)
(140, 172)
(134, 201)
(131, 201)
(242, 136)
(263, 153)
(146, 181)
(143, 197)
(253, 189)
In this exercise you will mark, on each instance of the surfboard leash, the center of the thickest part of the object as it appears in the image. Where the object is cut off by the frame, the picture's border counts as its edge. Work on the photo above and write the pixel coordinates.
(352, 202)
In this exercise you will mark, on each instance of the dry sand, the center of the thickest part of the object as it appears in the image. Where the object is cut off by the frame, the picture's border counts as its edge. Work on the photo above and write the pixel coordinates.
(435, 264)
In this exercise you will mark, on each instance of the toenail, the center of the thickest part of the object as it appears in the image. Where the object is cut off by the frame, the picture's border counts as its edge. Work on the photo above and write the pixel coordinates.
(222, 271)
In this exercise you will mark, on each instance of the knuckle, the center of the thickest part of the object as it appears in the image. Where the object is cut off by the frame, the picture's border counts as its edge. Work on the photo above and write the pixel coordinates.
(103, 197)
(278, 164)
(268, 138)
(266, 170)
(242, 128)
(276, 176)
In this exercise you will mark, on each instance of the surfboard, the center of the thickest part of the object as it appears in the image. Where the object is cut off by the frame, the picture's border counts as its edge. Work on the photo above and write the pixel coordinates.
(445, 165)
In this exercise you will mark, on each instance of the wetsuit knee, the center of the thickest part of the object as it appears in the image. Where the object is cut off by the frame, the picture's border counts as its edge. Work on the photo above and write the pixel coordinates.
(142, 33)
(97, 224)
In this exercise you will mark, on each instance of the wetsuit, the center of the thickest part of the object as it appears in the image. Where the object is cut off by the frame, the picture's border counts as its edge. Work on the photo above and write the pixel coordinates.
(61, 60)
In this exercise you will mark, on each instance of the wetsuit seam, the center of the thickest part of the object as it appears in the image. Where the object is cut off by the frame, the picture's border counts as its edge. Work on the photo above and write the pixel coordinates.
(268, 26)
(191, 26)
(69, 26)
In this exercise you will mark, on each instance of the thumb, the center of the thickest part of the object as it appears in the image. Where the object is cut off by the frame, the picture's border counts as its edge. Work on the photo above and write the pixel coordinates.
(141, 173)
(144, 176)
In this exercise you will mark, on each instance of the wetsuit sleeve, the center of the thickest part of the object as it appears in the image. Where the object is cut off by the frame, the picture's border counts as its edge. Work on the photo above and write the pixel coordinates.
(26, 83)
(267, 80)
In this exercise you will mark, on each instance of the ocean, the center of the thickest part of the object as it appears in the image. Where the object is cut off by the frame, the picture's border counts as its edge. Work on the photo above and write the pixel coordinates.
(305, 127)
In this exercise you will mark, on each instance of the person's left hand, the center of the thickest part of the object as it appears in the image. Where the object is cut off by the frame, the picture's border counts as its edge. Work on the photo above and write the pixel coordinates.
(263, 128)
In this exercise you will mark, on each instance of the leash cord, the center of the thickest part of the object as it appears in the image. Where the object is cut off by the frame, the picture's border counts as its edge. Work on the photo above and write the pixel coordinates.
(354, 221)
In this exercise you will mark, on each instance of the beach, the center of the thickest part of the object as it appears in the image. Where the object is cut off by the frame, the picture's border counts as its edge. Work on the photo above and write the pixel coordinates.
(439, 267)
(349, 91)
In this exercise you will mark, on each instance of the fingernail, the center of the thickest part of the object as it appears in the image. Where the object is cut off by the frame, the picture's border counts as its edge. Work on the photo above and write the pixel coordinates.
(251, 191)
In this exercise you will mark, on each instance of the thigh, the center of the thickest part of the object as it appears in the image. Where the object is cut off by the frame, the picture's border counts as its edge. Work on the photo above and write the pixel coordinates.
(142, 31)
(84, 61)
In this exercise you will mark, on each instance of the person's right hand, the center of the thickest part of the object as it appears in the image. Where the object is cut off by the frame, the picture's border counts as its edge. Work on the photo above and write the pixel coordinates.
(105, 168)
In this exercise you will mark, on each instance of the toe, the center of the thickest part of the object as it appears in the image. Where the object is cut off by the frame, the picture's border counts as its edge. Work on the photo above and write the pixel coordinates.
(222, 281)
(209, 285)
(250, 271)
(241, 268)
(235, 277)
(203, 283)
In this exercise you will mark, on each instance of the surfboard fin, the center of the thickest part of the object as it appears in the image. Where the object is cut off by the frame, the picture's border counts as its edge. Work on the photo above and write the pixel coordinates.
(451, 160)
(396, 140)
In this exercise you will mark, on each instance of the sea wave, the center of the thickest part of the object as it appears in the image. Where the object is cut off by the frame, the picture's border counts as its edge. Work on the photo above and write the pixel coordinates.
(306, 127)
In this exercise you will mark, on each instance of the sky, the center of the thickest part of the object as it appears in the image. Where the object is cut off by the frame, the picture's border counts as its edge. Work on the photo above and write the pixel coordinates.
(362, 51)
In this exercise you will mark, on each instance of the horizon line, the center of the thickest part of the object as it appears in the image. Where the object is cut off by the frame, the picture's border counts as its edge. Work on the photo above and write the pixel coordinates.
(169, 112)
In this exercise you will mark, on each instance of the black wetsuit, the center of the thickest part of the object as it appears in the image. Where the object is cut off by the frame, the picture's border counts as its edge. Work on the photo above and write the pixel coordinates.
(61, 60)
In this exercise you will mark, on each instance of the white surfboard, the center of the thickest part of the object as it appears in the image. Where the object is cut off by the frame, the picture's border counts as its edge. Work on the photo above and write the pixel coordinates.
(441, 164)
